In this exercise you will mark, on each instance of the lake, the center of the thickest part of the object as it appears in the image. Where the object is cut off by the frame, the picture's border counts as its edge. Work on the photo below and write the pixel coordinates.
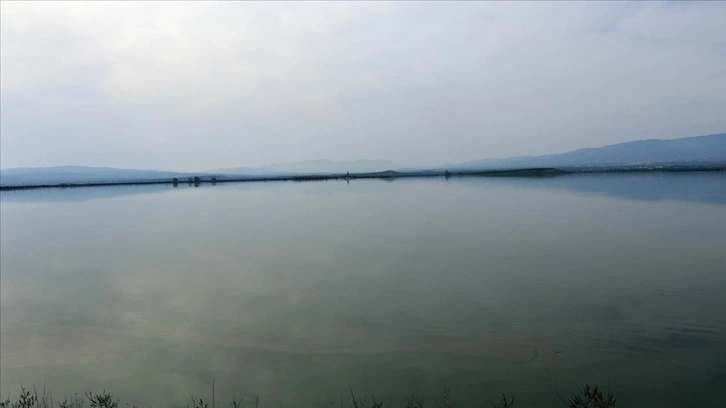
(300, 292)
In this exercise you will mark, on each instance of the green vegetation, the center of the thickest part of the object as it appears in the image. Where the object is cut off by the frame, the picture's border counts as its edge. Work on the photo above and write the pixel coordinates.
(591, 397)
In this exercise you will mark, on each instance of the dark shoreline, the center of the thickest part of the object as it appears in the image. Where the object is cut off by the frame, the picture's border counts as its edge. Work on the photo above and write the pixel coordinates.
(385, 175)
(27, 398)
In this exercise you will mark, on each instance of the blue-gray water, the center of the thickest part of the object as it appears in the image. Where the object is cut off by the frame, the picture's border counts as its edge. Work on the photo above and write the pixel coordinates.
(299, 292)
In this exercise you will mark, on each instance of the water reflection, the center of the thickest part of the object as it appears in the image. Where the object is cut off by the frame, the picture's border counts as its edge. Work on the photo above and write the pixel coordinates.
(705, 187)
(299, 291)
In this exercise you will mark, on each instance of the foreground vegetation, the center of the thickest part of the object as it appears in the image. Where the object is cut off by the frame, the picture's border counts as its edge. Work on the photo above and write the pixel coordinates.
(591, 397)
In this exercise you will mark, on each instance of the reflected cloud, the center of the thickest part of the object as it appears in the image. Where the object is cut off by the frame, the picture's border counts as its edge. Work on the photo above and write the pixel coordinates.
(301, 291)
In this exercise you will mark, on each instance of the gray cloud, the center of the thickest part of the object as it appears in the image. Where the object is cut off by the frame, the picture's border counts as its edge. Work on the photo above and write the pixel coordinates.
(194, 85)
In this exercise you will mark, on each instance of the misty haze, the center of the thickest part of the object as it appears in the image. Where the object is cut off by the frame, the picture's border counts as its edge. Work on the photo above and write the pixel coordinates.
(362, 204)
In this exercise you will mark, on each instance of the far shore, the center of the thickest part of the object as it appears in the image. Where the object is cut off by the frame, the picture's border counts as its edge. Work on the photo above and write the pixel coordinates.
(387, 175)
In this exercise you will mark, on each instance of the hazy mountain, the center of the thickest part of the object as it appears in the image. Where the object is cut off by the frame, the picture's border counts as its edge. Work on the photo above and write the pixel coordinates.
(316, 166)
(697, 149)
(690, 150)
(79, 174)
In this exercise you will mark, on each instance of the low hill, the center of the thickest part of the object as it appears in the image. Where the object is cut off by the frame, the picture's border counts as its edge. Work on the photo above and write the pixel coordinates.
(688, 150)
(80, 174)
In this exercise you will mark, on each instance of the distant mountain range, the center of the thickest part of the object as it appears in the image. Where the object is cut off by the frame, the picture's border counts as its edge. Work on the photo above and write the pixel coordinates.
(697, 149)
(710, 149)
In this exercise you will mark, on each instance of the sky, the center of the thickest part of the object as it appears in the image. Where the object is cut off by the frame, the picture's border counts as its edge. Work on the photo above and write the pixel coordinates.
(203, 85)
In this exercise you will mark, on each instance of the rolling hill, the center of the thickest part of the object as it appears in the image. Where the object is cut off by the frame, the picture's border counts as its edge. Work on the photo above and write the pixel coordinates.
(688, 150)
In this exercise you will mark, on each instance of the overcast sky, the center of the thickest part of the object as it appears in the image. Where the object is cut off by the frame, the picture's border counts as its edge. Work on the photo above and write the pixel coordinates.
(198, 85)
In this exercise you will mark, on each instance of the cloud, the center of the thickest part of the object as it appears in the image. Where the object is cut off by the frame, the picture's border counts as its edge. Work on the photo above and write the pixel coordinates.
(193, 85)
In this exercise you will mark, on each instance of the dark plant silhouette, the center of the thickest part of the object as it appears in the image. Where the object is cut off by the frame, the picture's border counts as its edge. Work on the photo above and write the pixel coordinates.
(504, 402)
(102, 400)
(199, 404)
(592, 398)
(235, 403)
(445, 399)
(414, 402)
(25, 400)
(358, 403)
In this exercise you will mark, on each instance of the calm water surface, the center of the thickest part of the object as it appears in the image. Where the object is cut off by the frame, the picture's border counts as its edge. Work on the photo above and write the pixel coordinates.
(299, 292)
